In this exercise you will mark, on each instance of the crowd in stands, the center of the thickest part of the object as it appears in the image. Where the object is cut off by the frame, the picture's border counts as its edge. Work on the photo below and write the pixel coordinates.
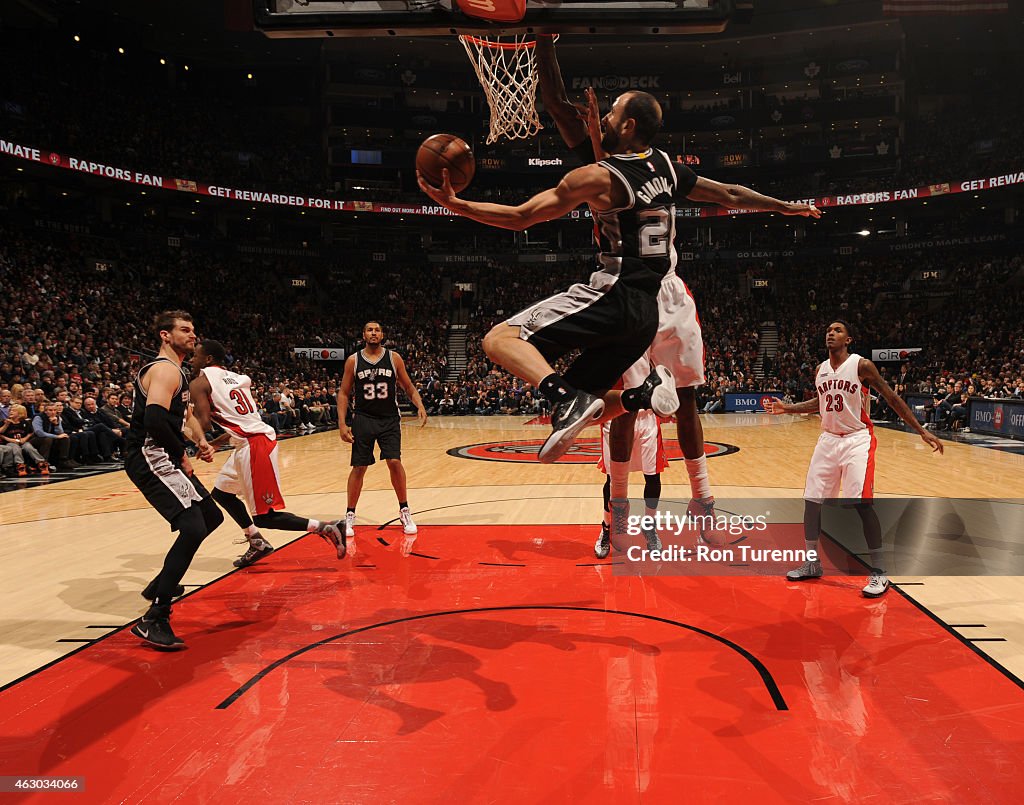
(71, 339)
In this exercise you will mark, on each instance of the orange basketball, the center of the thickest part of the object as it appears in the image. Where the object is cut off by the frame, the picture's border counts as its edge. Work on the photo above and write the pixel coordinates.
(446, 151)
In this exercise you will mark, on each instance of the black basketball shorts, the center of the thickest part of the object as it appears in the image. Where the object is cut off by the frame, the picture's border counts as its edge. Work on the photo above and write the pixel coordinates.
(369, 430)
(165, 487)
(613, 326)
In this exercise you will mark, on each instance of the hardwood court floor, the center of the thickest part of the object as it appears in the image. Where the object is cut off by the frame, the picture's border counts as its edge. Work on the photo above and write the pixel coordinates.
(502, 646)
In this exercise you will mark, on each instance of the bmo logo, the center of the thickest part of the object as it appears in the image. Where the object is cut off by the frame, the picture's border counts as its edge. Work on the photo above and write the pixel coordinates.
(748, 402)
(983, 416)
(766, 401)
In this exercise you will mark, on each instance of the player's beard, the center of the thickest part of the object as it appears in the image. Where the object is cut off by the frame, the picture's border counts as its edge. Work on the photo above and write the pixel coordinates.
(610, 140)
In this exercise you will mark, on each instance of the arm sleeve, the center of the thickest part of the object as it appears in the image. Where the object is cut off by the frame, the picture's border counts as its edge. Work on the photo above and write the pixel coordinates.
(164, 429)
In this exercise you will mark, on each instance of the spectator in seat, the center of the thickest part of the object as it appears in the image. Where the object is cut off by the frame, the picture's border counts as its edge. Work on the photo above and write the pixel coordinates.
(5, 404)
(49, 438)
(16, 436)
(112, 414)
(84, 444)
(108, 439)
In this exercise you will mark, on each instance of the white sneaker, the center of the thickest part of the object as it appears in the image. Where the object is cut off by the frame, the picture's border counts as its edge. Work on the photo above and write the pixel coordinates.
(603, 546)
(350, 524)
(408, 526)
(878, 585)
(808, 570)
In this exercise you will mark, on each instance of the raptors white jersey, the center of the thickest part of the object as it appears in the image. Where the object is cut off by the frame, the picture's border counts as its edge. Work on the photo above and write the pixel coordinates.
(841, 397)
(232, 405)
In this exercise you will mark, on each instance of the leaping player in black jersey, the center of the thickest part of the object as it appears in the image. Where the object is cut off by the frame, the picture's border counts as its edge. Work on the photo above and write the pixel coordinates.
(678, 345)
(613, 318)
(372, 375)
(156, 463)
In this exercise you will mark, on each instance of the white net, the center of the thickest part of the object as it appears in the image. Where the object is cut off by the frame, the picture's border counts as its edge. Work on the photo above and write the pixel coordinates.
(507, 72)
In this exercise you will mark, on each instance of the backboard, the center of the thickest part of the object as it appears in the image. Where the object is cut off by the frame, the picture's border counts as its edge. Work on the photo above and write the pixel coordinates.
(327, 18)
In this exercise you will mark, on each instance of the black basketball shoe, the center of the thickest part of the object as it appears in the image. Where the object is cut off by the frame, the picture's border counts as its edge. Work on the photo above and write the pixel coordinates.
(258, 548)
(155, 628)
(658, 392)
(567, 420)
(150, 592)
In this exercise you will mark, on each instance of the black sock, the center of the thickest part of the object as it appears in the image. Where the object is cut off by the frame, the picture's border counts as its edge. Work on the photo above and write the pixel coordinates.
(555, 389)
(607, 491)
(403, 505)
(632, 400)
(350, 510)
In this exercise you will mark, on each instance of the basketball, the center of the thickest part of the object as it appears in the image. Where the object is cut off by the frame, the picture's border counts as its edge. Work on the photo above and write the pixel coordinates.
(446, 151)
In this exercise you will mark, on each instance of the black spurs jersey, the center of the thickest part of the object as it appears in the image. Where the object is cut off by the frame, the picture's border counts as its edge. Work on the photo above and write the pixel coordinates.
(376, 384)
(636, 241)
(179, 406)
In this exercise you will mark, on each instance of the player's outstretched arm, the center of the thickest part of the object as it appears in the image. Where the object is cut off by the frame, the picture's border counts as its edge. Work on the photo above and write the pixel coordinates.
(868, 373)
(553, 95)
(738, 197)
(406, 383)
(777, 406)
(344, 392)
(587, 185)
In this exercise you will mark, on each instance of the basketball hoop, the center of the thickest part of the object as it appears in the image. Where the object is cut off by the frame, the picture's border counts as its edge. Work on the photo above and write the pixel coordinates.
(507, 70)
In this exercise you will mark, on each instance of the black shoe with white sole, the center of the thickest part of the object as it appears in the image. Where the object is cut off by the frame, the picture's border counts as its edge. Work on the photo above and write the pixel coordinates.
(155, 628)
(567, 420)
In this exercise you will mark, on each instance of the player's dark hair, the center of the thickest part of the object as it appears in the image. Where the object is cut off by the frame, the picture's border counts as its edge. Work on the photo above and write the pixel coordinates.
(847, 325)
(215, 349)
(646, 111)
(165, 320)
(373, 321)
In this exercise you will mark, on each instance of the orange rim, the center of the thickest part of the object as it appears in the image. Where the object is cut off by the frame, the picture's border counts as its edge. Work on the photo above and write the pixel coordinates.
(487, 43)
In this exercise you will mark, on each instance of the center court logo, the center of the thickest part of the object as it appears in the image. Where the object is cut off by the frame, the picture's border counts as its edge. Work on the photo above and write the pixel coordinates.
(584, 451)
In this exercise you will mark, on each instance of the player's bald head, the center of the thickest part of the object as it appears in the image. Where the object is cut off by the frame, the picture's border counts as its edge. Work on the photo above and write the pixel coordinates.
(646, 111)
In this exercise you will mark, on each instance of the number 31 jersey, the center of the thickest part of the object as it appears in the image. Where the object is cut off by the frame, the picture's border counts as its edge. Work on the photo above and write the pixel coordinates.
(375, 386)
(841, 397)
(232, 405)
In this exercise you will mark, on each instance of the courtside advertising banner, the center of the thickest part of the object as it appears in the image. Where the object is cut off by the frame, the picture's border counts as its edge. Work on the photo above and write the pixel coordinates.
(749, 400)
(149, 179)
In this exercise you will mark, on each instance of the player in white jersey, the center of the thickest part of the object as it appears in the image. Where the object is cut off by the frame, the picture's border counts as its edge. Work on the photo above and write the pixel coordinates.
(843, 463)
(225, 397)
(644, 454)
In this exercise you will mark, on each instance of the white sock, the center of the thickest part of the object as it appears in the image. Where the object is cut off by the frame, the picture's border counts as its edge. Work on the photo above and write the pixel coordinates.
(877, 561)
(312, 525)
(812, 546)
(697, 469)
(251, 531)
(619, 473)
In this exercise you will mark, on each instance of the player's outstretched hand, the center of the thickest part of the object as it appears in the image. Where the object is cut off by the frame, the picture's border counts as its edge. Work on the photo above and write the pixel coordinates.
(804, 210)
(421, 415)
(345, 432)
(443, 195)
(930, 440)
(590, 115)
(775, 406)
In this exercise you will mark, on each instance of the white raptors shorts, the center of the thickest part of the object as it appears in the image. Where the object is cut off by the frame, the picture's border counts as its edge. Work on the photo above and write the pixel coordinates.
(844, 463)
(648, 455)
(251, 473)
(679, 344)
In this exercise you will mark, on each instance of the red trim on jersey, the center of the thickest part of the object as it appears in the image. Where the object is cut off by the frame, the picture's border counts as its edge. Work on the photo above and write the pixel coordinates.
(696, 315)
(265, 489)
(231, 426)
(661, 462)
(868, 490)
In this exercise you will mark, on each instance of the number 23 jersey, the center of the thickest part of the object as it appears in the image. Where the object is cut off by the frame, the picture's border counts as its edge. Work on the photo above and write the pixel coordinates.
(375, 386)
(841, 397)
(232, 405)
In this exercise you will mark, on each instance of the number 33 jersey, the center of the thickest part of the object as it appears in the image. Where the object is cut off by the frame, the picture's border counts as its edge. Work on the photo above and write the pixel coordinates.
(841, 397)
(375, 386)
(232, 405)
